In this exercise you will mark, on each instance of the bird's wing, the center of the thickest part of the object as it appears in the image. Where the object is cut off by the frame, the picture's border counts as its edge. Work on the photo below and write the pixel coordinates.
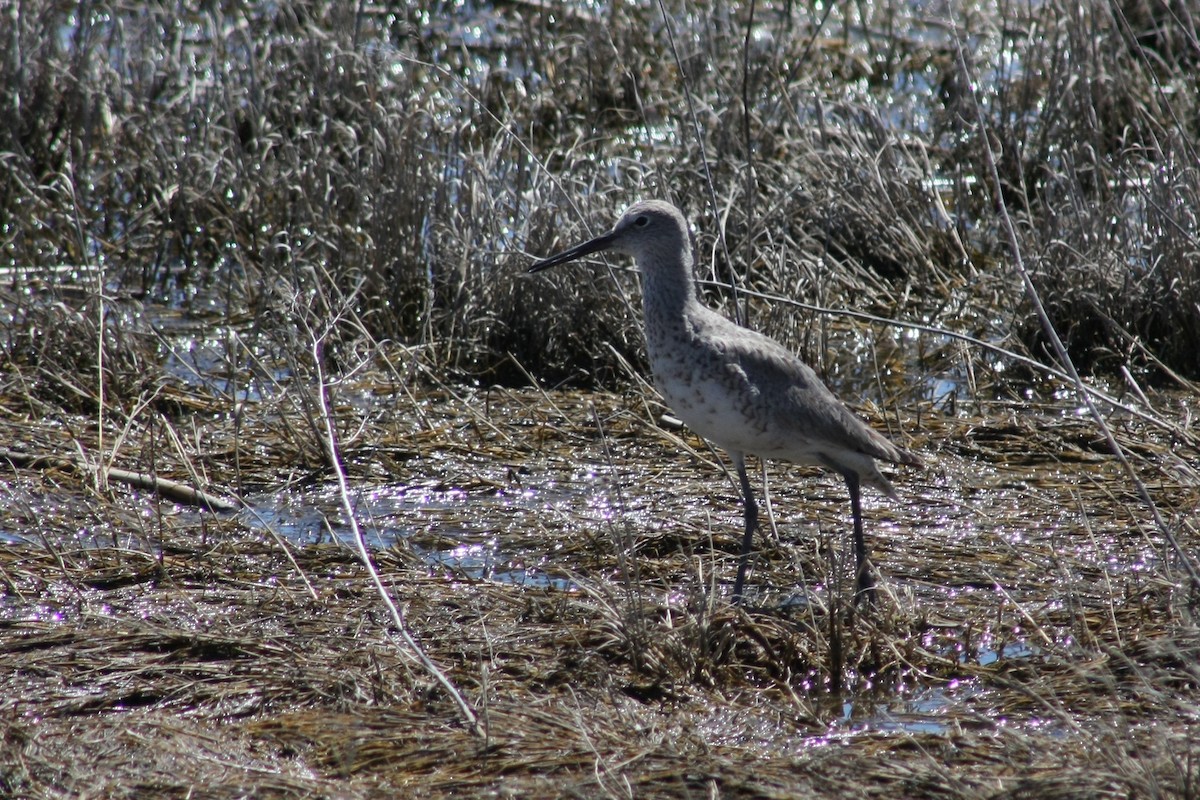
(795, 400)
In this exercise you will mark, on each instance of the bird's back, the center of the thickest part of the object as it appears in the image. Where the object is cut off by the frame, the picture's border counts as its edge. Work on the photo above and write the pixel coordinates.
(747, 393)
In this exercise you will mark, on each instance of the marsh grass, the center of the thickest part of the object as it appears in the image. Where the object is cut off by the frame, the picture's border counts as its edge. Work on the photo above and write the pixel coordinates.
(405, 163)
(224, 229)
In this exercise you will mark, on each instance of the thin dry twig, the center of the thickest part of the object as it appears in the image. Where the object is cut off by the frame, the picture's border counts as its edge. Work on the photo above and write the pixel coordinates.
(171, 490)
(334, 458)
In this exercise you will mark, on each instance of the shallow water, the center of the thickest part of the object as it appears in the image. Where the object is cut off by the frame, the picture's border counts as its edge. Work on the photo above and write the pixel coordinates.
(464, 534)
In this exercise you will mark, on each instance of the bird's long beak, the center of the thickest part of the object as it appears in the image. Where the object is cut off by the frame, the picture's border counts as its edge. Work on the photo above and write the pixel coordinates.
(579, 251)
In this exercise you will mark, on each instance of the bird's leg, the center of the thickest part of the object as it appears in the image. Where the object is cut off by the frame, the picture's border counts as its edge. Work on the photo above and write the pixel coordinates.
(739, 461)
(865, 583)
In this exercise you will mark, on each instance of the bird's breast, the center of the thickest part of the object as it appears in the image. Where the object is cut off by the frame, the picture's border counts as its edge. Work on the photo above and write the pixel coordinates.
(707, 389)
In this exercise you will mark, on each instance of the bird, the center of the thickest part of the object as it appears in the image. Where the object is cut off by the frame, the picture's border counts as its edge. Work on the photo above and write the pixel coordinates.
(738, 388)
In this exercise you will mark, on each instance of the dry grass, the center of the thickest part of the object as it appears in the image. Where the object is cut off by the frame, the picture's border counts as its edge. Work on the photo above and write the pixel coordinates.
(229, 154)
(213, 222)
(1031, 641)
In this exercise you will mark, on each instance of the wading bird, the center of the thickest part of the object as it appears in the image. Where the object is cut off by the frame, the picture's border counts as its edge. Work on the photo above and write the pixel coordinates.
(739, 389)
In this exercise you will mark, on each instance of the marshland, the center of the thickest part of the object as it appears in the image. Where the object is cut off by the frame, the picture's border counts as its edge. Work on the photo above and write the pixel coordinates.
(310, 491)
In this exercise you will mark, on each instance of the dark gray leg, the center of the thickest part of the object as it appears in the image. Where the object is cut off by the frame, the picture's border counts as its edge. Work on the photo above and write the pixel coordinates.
(739, 462)
(866, 580)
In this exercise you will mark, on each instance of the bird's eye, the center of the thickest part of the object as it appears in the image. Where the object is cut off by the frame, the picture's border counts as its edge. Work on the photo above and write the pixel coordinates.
(642, 221)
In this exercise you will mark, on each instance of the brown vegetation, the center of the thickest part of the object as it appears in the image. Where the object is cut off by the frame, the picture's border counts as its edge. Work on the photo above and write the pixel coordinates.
(250, 249)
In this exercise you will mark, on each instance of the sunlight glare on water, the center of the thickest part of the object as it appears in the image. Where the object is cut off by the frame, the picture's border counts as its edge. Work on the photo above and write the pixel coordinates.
(481, 536)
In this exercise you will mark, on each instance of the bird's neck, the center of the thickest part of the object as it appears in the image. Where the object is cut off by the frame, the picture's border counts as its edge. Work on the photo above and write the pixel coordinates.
(668, 286)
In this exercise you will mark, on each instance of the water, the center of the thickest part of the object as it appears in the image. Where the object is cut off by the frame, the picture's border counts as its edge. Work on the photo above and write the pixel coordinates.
(476, 535)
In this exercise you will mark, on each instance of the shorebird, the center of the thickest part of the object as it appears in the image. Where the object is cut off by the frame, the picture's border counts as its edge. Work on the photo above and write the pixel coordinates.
(741, 390)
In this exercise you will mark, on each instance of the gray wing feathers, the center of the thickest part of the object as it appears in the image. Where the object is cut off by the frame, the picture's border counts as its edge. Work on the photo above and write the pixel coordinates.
(801, 403)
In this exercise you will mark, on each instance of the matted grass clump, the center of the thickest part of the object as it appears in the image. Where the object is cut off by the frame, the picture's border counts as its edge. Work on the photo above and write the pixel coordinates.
(156, 651)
